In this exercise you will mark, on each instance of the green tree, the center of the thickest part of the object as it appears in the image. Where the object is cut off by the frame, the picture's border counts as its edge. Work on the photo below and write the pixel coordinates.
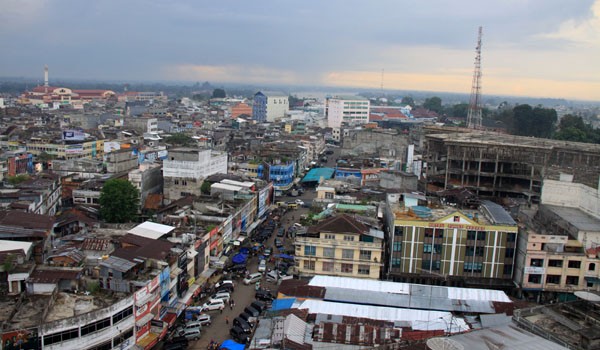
(433, 104)
(205, 188)
(573, 128)
(219, 93)
(460, 110)
(45, 157)
(179, 139)
(407, 100)
(119, 201)
(17, 179)
(537, 122)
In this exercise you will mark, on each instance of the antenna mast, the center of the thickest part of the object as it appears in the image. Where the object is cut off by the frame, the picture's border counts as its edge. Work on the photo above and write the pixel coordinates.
(474, 115)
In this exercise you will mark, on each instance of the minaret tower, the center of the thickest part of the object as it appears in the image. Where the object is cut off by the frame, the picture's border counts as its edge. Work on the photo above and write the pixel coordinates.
(46, 78)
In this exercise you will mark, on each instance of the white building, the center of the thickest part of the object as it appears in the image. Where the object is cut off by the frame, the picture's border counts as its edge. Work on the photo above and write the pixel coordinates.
(353, 110)
(270, 106)
(186, 168)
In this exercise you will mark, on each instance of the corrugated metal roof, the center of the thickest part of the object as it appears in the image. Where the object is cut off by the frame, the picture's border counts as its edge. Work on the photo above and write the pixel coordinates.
(294, 329)
(360, 284)
(496, 213)
(419, 319)
(504, 337)
(151, 230)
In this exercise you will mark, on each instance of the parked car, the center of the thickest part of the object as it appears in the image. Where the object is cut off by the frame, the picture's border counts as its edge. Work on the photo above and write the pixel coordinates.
(247, 317)
(176, 343)
(262, 265)
(264, 295)
(221, 295)
(300, 202)
(239, 335)
(268, 252)
(225, 283)
(252, 312)
(236, 268)
(273, 276)
(213, 304)
(190, 333)
(278, 242)
(281, 232)
(259, 305)
(204, 319)
(243, 324)
(253, 278)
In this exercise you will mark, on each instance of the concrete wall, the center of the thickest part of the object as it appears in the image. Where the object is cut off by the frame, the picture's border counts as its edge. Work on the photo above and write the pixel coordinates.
(398, 181)
(570, 194)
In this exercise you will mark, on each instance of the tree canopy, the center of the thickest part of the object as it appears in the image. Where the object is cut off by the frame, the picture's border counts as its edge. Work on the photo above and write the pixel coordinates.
(433, 104)
(179, 139)
(219, 93)
(119, 201)
(537, 122)
(408, 100)
(573, 128)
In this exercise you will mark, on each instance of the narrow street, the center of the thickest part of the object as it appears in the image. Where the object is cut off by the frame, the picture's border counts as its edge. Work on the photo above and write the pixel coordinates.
(244, 295)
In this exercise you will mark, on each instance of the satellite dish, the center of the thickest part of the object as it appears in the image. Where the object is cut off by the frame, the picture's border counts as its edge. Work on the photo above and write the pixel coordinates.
(444, 344)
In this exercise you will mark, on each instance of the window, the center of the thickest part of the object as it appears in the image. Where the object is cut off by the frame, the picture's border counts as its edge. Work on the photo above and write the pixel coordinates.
(426, 264)
(122, 337)
(309, 264)
(347, 268)
(348, 238)
(473, 266)
(573, 280)
(508, 269)
(310, 250)
(555, 263)
(428, 232)
(94, 327)
(437, 249)
(471, 235)
(61, 336)
(396, 262)
(104, 346)
(537, 262)
(592, 267)
(329, 236)
(554, 279)
(347, 254)
(574, 264)
(329, 252)
(327, 266)
(397, 246)
(364, 255)
(439, 233)
(427, 248)
(469, 251)
(510, 252)
(398, 231)
(479, 251)
(364, 270)
(122, 314)
(511, 237)
(537, 279)
(481, 235)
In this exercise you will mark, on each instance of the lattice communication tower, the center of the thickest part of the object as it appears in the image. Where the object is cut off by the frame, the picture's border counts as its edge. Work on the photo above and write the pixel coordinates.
(474, 115)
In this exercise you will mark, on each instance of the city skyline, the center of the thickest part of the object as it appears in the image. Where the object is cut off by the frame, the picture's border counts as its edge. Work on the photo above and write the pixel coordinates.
(536, 48)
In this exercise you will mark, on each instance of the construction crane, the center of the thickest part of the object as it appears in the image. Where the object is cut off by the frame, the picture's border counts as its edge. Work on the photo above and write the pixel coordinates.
(474, 114)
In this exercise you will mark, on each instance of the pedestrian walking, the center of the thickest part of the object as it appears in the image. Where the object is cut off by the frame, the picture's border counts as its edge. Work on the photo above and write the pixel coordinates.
(233, 302)
(226, 320)
(230, 304)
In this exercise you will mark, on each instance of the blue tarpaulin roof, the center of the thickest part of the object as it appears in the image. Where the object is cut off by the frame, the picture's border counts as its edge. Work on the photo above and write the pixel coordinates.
(315, 174)
(244, 250)
(239, 258)
(282, 304)
(231, 345)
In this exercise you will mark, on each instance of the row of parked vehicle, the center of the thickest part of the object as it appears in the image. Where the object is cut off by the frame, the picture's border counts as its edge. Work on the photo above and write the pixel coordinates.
(242, 325)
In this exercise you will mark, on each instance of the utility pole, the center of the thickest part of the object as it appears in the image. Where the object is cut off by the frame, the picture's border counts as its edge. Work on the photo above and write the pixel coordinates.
(474, 114)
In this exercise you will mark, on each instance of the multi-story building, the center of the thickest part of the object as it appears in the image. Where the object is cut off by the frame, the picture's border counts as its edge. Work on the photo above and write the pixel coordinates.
(269, 106)
(241, 108)
(141, 124)
(558, 252)
(443, 245)
(147, 179)
(66, 149)
(499, 165)
(340, 246)
(185, 169)
(352, 110)
(121, 160)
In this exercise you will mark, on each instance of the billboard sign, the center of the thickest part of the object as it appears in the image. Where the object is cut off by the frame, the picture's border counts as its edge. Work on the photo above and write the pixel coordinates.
(73, 135)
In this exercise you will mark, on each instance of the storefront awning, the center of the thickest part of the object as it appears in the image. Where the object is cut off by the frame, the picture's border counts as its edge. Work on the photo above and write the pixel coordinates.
(144, 320)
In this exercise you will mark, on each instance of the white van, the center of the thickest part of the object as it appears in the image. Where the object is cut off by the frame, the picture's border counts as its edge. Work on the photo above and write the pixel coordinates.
(253, 278)
(213, 304)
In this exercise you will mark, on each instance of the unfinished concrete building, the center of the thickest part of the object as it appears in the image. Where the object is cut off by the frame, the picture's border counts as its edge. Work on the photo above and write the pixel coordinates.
(500, 165)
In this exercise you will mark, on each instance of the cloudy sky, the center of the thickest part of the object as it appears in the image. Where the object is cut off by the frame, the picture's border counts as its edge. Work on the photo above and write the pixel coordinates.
(547, 48)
